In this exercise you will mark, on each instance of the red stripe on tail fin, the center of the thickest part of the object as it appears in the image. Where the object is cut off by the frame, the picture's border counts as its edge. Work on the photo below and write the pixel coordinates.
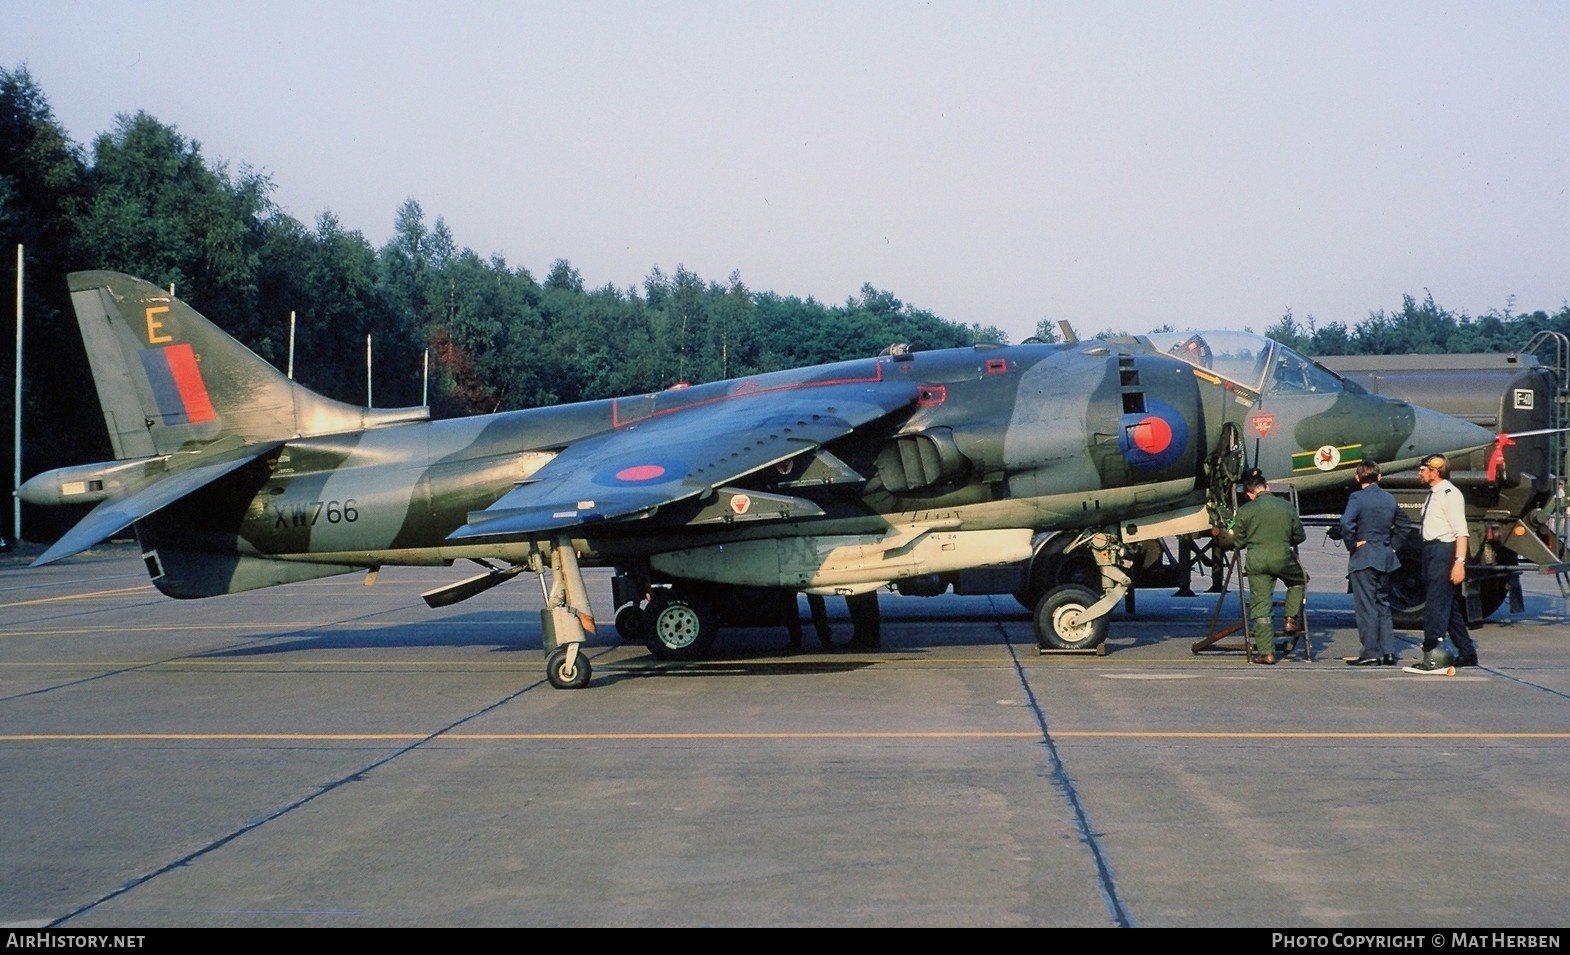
(188, 379)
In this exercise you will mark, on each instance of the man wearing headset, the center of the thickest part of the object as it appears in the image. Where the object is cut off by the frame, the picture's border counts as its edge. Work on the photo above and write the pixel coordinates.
(1444, 568)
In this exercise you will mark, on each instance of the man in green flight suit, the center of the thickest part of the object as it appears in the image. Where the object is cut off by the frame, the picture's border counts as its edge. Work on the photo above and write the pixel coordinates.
(1269, 528)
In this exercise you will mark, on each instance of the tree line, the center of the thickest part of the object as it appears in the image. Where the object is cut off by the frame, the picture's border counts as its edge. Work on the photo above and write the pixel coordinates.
(143, 199)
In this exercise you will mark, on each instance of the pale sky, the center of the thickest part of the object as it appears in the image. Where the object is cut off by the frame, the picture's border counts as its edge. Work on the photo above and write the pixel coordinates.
(1117, 164)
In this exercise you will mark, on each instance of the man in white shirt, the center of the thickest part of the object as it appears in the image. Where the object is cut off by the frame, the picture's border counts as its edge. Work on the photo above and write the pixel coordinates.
(1444, 567)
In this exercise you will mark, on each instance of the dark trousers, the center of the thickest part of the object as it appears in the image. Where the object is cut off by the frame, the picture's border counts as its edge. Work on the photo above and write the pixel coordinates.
(820, 619)
(1371, 603)
(1444, 607)
(866, 628)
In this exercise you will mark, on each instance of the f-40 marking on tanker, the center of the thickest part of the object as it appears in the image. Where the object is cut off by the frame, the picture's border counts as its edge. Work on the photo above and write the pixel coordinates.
(836, 479)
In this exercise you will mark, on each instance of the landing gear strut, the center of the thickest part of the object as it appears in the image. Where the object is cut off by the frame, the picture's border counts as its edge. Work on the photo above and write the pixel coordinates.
(566, 621)
(1072, 616)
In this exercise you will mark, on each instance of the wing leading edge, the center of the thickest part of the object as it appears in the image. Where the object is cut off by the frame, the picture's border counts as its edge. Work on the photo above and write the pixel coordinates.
(687, 454)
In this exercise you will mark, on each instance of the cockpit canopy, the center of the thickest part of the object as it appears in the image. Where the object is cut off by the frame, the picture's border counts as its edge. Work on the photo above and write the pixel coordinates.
(1257, 363)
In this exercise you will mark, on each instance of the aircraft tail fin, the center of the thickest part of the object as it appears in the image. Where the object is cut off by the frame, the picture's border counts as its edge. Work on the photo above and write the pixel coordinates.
(170, 380)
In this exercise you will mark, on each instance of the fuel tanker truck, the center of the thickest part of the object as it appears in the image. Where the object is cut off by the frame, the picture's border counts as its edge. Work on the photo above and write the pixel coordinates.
(1514, 491)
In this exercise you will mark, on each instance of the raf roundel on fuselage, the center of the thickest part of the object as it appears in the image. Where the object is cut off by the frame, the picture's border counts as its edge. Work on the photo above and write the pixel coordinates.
(1153, 439)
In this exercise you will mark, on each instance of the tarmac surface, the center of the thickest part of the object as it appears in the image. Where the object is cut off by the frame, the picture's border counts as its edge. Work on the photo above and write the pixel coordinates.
(328, 754)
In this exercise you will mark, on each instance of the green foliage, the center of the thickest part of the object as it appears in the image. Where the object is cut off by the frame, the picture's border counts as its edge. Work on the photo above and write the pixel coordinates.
(43, 177)
(1419, 328)
(43, 188)
(156, 209)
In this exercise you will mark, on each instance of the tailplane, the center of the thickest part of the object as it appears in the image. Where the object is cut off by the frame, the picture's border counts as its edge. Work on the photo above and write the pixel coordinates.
(185, 404)
(169, 380)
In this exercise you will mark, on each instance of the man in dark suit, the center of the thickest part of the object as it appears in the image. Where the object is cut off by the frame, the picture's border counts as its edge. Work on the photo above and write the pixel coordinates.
(1373, 527)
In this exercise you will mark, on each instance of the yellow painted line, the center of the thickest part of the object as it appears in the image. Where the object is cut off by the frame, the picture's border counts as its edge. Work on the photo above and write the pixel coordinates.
(997, 734)
(86, 631)
(270, 627)
(634, 665)
(264, 664)
(637, 737)
(89, 596)
(206, 737)
(1181, 734)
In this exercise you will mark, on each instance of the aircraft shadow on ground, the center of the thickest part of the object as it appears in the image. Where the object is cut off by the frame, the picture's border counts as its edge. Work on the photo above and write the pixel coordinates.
(905, 631)
(502, 632)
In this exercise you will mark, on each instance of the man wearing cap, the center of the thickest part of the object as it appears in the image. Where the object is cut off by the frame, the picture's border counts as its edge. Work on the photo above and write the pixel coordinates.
(1444, 568)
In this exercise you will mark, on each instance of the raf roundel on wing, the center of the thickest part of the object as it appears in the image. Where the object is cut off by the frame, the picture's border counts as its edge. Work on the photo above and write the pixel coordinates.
(637, 475)
(1153, 439)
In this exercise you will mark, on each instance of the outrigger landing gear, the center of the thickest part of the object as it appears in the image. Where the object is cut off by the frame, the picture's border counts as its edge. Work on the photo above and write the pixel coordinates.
(1070, 617)
(566, 621)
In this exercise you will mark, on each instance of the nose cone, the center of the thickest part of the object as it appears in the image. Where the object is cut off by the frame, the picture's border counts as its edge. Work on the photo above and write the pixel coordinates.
(1435, 433)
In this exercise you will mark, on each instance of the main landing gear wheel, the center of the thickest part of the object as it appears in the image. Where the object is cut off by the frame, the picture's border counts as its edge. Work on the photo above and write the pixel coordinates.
(1061, 623)
(1407, 596)
(679, 627)
(563, 677)
(1052, 567)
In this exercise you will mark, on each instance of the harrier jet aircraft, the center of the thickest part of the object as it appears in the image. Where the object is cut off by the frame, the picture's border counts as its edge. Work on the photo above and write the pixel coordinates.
(836, 479)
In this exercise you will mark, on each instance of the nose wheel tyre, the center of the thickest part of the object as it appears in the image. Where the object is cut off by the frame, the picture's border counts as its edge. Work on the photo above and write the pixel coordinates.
(1061, 621)
(563, 677)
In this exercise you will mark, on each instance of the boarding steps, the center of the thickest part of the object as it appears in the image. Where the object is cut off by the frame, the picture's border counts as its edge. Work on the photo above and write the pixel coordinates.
(1231, 561)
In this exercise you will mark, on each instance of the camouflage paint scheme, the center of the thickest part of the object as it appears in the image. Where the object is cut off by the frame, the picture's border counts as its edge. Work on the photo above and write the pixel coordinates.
(840, 478)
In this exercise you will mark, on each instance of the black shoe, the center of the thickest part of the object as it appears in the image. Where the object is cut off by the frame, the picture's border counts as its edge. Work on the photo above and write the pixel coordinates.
(1388, 660)
(1466, 662)
(1363, 662)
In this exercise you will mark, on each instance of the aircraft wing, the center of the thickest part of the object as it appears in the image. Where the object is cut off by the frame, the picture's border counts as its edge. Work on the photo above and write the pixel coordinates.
(687, 453)
(119, 512)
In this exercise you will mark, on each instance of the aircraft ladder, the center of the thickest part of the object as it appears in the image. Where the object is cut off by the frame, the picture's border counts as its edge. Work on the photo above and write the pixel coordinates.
(1232, 561)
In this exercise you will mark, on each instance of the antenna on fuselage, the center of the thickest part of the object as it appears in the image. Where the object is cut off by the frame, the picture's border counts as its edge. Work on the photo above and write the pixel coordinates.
(1069, 337)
